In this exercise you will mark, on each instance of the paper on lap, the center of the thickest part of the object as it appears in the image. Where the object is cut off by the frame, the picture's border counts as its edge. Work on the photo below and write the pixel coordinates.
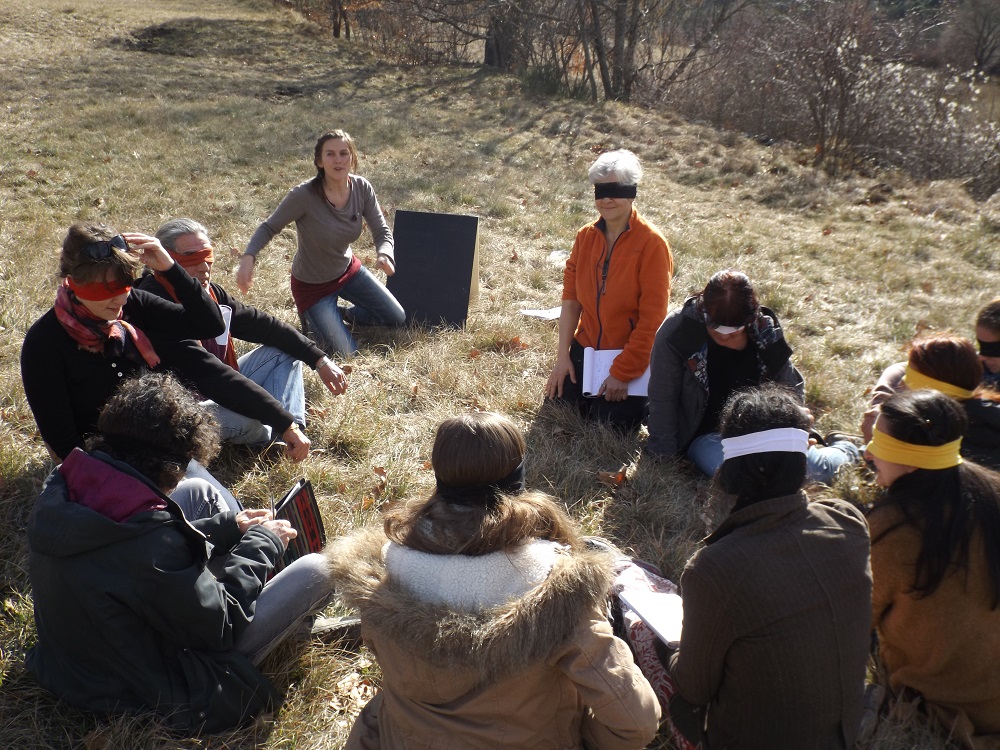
(663, 612)
(597, 367)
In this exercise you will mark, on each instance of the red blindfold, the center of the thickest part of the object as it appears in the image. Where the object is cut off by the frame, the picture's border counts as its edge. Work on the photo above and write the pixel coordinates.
(97, 291)
(189, 260)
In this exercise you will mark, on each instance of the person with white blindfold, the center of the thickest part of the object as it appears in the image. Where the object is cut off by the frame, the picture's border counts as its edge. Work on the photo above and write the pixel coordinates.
(721, 341)
(777, 607)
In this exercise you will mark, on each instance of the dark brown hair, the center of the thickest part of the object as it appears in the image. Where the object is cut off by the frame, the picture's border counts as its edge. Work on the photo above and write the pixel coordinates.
(761, 476)
(329, 136)
(472, 450)
(950, 359)
(75, 263)
(156, 426)
(947, 506)
(729, 299)
(989, 316)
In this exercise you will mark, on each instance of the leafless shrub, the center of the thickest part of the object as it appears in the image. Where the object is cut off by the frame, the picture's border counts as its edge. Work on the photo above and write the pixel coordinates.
(828, 74)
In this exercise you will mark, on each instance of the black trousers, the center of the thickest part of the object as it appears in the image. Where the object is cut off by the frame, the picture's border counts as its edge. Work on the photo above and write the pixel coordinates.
(624, 415)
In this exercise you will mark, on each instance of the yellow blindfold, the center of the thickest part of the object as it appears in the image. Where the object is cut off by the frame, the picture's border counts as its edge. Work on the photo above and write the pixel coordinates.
(890, 449)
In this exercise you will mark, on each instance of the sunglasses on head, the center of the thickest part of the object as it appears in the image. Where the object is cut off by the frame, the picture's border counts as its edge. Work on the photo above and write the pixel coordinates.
(103, 249)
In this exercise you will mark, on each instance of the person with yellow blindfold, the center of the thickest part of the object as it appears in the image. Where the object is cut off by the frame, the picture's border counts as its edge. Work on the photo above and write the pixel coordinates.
(948, 364)
(936, 567)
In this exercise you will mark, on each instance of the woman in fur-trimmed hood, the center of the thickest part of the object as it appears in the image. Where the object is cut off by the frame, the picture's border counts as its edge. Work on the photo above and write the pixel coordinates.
(486, 613)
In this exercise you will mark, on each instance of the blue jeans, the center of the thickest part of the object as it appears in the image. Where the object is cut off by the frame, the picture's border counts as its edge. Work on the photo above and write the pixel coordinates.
(201, 495)
(279, 374)
(298, 591)
(822, 462)
(373, 305)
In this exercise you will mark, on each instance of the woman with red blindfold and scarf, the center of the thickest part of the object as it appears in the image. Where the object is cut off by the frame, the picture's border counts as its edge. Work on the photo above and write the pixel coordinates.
(935, 551)
(100, 332)
(616, 287)
(245, 415)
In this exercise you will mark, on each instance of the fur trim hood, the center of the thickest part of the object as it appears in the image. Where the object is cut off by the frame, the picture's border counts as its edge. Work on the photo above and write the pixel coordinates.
(494, 642)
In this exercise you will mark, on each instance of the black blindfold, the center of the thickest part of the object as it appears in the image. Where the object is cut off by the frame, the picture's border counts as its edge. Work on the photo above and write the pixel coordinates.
(613, 190)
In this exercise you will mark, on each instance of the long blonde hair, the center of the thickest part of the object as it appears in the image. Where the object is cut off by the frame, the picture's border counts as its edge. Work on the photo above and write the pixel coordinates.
(476, 453)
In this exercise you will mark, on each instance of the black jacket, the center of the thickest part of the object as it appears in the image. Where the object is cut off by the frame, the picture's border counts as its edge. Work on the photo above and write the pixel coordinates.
(67, 386)
(251, 324)
(129, 617)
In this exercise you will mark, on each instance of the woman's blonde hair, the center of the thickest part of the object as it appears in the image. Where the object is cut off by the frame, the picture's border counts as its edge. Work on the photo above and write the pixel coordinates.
(477, 453)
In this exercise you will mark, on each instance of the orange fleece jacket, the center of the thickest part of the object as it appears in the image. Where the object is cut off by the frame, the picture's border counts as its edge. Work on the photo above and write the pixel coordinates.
(636, 292)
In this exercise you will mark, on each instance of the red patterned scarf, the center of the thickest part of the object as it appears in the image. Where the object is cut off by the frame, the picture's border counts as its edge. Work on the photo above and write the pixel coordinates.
(112, 338)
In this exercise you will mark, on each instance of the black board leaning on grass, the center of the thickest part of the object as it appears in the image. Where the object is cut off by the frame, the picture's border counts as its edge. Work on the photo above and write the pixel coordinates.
(437, 266)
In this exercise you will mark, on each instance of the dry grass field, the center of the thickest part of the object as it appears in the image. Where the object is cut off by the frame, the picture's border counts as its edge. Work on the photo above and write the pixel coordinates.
(134, 113)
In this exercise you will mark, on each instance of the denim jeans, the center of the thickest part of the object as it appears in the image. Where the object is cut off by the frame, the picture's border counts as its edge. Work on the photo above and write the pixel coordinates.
(200, 495)
(822, 462)
(373, 305)
(279, 374)
(298, 591)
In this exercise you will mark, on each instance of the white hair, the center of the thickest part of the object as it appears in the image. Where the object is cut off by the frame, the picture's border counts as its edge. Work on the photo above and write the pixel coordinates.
(622, 165)
(174, 229)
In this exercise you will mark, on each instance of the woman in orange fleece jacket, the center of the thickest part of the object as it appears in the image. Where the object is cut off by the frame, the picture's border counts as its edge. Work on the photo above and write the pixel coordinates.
(616, 287)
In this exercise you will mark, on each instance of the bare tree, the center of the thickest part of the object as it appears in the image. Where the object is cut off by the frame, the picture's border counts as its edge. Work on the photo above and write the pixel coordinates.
(975, 25)
(830, 62)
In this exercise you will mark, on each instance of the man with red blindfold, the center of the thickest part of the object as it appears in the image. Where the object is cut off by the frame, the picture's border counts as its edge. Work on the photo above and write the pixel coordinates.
(275, 366)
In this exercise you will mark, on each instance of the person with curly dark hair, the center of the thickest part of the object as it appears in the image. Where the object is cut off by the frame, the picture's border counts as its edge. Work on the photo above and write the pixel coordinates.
(936, 566)
(777, 603)
(138, 609)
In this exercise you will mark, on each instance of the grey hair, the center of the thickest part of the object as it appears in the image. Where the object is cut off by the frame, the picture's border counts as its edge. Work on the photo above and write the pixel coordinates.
(622, 165)
(175, 228)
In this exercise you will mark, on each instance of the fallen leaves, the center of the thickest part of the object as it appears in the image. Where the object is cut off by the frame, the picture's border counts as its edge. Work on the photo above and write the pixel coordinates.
(353, 691)
(377, 490)
(613, 479)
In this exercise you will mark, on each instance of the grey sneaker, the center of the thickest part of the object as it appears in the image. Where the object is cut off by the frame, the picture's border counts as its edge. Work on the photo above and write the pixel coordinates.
(343, 631)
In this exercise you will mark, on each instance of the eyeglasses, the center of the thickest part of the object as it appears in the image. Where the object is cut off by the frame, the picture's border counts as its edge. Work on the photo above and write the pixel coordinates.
(102, 249)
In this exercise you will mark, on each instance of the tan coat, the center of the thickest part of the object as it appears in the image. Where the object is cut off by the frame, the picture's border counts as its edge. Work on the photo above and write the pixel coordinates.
(542, 671)
(945, 646)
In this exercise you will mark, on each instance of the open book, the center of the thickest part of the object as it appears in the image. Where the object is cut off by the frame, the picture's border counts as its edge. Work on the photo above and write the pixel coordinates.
(663, 612)
(597, 367)
(299, 508)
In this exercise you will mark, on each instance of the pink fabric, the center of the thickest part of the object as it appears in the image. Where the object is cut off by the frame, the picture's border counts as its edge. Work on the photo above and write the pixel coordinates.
(306, 295)
(643, 641)
(92, 333)
(102, 488)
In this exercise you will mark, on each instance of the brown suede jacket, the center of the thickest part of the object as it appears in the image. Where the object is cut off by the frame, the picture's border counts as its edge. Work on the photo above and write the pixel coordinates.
(945, 646)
